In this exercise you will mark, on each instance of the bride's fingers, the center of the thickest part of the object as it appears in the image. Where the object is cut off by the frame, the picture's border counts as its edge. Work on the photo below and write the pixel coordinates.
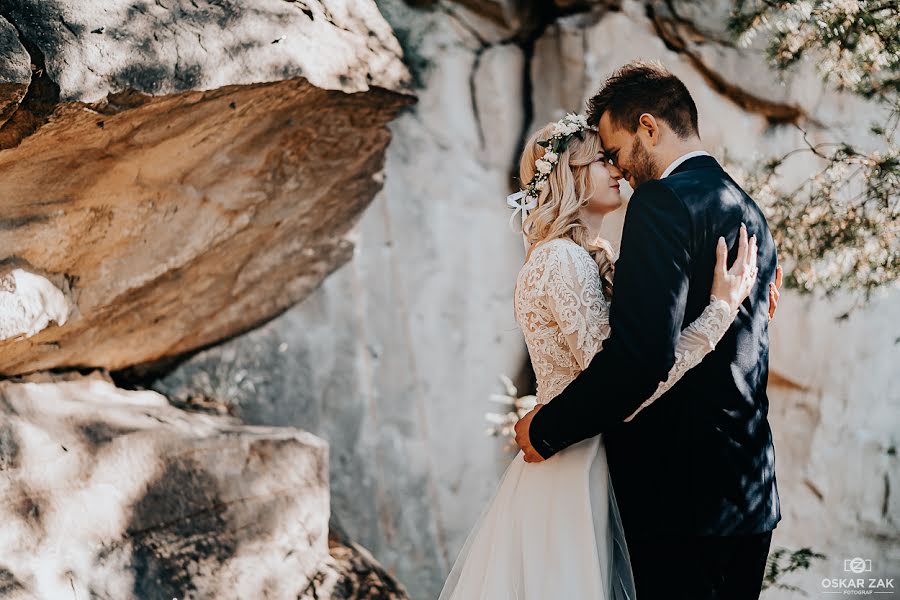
(722, 256)
(742, 249)
(752, 255)
(737, 267)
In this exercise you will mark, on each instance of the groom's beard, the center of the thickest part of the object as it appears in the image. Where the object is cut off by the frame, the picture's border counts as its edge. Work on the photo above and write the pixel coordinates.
(643, 167)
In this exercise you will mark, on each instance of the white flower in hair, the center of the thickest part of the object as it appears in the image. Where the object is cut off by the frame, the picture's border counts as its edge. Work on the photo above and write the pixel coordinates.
(563, 130)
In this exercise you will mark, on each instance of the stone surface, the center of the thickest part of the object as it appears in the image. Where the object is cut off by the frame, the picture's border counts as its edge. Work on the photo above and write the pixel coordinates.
(115, 494)
(93, 48)
(351, 573)
(15, 71)
(835, 412)
(28, 303)
(176, 211)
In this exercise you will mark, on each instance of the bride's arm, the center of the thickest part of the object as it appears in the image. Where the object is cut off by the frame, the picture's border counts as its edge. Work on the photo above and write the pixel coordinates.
(696, 341)
(700, 337)
(573, 294)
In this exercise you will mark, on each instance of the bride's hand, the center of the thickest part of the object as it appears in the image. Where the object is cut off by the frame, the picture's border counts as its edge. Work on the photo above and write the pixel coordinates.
(733, 285)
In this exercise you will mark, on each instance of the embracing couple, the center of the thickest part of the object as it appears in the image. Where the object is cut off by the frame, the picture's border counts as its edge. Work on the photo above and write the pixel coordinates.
(651, 369)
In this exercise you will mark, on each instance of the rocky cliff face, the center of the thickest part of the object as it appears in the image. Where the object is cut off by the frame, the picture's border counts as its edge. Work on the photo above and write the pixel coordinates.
(115, 493)
(184, 171)
(172, 174)
(179, 172)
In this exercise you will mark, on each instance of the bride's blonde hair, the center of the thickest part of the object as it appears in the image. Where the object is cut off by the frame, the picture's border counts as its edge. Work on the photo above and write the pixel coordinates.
(568, 189)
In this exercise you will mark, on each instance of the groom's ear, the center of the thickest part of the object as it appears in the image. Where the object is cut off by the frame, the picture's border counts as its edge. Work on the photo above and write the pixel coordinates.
(649, 126)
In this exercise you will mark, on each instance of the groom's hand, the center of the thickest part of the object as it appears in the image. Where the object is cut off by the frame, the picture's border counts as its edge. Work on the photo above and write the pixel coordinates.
(774, 293)
(522, 426)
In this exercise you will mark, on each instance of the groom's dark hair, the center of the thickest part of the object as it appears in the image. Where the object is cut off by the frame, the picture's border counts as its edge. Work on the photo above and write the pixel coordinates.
(645, 87)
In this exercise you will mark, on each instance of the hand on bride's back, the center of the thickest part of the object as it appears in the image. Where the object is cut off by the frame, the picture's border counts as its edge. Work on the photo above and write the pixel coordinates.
(733, 284)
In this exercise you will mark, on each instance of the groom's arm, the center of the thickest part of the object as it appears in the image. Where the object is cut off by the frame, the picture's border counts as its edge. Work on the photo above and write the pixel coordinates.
(650, 292)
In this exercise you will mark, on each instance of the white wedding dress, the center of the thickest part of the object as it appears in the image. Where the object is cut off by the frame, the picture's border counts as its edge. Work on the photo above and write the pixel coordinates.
(552, 530)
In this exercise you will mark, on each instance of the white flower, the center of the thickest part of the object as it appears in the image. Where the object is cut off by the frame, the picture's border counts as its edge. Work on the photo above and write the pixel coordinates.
(540, 185)
(551, 156)
(543, 166)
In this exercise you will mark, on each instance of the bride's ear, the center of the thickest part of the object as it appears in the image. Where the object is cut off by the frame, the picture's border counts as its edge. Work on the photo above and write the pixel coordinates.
(650, 128)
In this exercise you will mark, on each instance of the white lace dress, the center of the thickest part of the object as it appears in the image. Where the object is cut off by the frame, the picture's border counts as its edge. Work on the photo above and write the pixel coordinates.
(551, 530)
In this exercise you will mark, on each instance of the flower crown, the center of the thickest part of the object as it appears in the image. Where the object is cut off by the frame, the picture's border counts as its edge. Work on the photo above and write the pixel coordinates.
(564, 130)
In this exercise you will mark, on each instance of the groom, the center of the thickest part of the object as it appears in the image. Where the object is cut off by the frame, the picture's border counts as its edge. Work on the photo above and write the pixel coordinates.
(694, 473)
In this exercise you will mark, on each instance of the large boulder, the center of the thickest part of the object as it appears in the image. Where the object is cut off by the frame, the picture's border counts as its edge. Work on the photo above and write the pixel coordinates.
(182, 171)
(116, 494)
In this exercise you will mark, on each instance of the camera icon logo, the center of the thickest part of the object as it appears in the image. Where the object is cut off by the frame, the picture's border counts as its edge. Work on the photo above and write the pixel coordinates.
(857, 565)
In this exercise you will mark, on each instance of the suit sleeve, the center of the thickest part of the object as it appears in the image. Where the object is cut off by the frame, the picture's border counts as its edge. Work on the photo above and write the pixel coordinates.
(648, 305)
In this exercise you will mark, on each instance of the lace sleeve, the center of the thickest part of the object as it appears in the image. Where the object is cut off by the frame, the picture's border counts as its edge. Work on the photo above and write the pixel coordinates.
(573, 294)
(696, 341)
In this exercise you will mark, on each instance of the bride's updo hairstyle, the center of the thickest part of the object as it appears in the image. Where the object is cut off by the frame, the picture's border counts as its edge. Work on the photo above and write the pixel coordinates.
(568, 190)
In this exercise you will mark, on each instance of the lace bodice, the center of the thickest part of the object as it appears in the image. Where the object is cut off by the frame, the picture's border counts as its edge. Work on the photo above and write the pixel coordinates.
(564, 317)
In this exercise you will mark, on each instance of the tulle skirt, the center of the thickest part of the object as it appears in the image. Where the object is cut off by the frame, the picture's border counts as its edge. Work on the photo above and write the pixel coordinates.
(551, 531)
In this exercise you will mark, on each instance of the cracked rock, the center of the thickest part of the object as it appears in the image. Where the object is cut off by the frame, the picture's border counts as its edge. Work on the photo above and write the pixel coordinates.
(192, 168)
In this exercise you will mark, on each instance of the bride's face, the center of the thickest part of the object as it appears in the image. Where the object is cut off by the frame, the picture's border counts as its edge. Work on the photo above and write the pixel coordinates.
(605, 183)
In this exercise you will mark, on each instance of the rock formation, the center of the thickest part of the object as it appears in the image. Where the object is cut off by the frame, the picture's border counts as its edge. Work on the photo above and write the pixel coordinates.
(114, 493)
(184, 171)
(351, 573)
(174, 173)
(181, 172)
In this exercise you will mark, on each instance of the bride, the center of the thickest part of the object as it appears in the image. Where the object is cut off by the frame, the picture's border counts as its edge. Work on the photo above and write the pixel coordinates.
(577, 551)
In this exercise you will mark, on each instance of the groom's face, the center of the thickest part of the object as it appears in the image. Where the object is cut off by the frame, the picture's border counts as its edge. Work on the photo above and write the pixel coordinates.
(627, 151)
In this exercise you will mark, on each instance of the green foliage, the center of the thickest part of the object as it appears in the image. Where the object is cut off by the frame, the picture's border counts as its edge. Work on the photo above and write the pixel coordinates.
(840, 229)
(854, 42)
(782, 562)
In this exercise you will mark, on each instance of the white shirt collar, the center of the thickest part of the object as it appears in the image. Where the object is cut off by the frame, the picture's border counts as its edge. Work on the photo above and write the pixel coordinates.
(681, 159)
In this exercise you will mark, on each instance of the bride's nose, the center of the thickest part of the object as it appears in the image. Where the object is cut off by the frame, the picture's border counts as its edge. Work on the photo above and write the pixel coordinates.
(615, 172)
